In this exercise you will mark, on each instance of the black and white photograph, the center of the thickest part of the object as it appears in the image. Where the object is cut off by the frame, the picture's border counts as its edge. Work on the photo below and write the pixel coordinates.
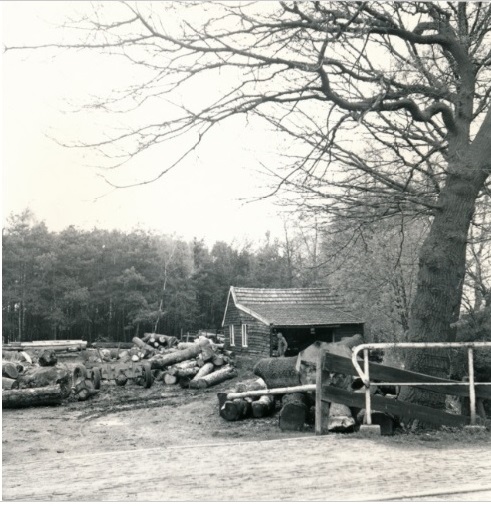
(246, 251)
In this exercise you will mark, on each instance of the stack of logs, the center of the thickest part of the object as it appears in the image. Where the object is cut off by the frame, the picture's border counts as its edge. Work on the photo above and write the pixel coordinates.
(27, 382)
(244, 407)
(296, 407)
(198, 365)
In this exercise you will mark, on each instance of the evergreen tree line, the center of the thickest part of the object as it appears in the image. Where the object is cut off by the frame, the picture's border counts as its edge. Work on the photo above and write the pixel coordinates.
(78, 284)
(98, 284)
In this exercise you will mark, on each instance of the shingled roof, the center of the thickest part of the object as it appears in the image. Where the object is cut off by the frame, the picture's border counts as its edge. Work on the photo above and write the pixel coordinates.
(293, 306)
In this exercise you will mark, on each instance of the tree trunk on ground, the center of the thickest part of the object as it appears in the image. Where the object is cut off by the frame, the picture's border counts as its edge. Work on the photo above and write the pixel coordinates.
(204, 371)
(48, 376)
(174, 358)
(263, 406)
(9, 370)
(189, 372)
(185, 346)
(235, 410)
(187, 364)
(170, 379)
(218, 360)
(48, 358)
(9, 384)
(250, 385)
(340, 418)
(294, 411)
(144, 346)
(214, 378)
(44, 396)
(278, 372)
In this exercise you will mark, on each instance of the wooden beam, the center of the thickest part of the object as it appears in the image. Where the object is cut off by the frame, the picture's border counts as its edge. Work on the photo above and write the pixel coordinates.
(321, 407)
(382, 373)
(404, 410)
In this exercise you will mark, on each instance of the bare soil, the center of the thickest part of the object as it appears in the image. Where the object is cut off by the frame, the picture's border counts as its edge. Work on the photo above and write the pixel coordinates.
(132, 443)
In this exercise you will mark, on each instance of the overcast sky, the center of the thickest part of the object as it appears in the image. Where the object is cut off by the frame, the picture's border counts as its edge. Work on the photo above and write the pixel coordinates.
(200, 199)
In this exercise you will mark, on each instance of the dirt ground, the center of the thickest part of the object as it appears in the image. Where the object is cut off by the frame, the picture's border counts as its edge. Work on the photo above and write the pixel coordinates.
(166, 443)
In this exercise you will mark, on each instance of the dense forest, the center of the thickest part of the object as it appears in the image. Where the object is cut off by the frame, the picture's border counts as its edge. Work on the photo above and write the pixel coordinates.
(100, 284)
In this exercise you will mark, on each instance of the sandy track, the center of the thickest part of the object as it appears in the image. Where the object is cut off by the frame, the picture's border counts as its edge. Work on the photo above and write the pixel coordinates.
(308, 468)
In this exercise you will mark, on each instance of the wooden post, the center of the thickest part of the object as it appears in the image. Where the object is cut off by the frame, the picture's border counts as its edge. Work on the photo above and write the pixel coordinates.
(472, 390)
(321, 408)
(368, 399)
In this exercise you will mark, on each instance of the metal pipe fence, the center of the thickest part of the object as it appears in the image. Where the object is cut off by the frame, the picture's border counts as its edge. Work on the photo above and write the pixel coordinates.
(365, 374)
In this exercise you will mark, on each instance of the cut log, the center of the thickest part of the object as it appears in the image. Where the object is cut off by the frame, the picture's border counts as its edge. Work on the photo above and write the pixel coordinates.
(235, 410)
(170, 379)
(135, 358)
(184, 381)
(218, 360)
(84, 390)
(294, 412)
(141, 344)
(340, 418)
(185, 346)
(9, 370)
(190, 372)
(186, 364)
(9, 384)
(228, 353)
(113, 344)
(263, 406)
(206, 348)
(48, 358)
(47, 376)
(214, 378)
(44, 396)
(203, 371)
(278, 372)
(250, 385)
(161, 362)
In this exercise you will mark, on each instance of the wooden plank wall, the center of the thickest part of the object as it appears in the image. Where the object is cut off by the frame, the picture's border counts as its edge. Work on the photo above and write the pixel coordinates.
(258, 333)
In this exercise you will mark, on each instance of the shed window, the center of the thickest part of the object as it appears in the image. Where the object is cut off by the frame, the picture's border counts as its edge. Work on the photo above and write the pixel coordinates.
(244, 335)
(232, 335)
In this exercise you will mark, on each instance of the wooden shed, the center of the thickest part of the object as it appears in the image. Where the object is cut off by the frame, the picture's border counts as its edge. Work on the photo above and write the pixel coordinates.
(254, 317)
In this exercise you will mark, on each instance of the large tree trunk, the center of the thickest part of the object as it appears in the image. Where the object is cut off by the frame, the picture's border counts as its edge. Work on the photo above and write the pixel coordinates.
(162, 362)
(44, 396)
(440, 277)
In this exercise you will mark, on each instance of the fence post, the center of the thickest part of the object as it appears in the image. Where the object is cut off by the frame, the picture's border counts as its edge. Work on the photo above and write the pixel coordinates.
(321, 408)
(368, 400)
(472, 389)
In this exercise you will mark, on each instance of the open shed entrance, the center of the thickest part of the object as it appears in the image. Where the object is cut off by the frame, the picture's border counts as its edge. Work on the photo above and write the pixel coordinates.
(299, 338)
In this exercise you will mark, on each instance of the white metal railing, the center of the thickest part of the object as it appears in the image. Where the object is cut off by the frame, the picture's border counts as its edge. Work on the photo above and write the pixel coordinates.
(365, 374)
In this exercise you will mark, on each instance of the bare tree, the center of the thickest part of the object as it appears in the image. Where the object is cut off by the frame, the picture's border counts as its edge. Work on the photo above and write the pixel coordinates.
(385, 105)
